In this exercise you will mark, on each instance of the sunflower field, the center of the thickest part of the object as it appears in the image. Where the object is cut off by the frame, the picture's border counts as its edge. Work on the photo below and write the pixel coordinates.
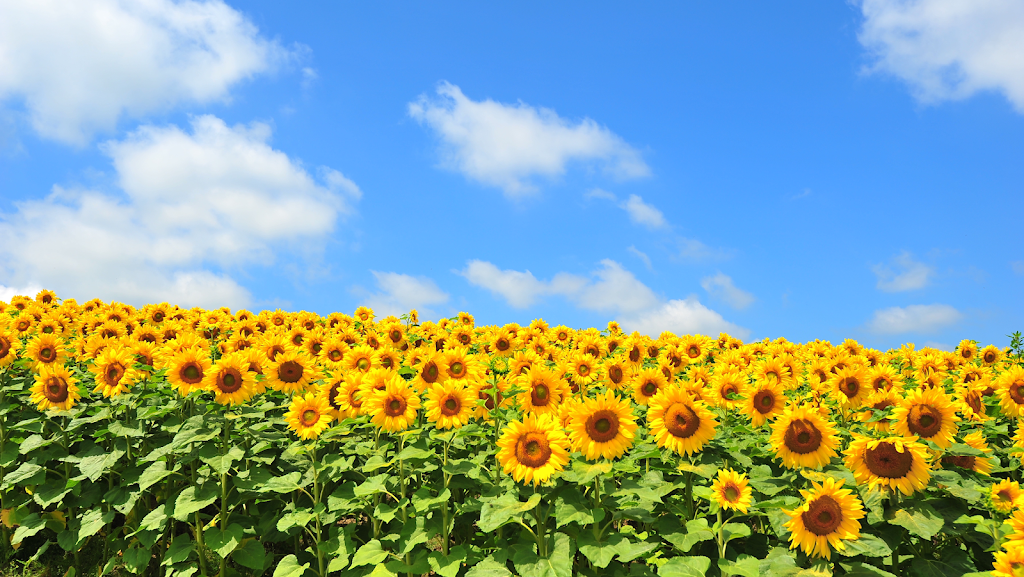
(177, 442)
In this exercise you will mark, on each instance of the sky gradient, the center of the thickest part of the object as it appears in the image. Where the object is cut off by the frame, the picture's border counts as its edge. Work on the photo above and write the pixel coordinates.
(823, 170)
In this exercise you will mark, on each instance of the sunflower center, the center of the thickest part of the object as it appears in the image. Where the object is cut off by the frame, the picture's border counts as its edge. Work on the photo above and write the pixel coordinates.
(649, 388)
(310, 417)
(274, 351)
(114, 373)
(966, 353)
(290, 371)
(335, 355)
(802, 437)
(502, 344)
(882, 405)
(533, 450)
(1004, 496)
(456, 369)
(540, 395)
(46, 354)
(430, 372)
(681, 421)
(603, 425)
(693, 352)
(158, 317)
(615, 374)
(1017, 392)
(962, 461)
(450, 407)
(363, 364)
(973, 400)
(332, 395)
(850, 387)
(773, 375)
(764, 401)
(732, 494)
(592, 351)
(823, 516)
(885, 461)
(583, 370)
(395, 407)
(924, 421)
(990, 357)
(191, 373)
(634, 354)
(229, 381)
(396, 335)
(881, 382)
(56, 390)
(5, 347)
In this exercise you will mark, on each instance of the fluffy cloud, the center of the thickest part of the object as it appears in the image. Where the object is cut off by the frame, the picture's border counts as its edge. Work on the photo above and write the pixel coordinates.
(219, 195)
(641, 255)
(913, 319)
(644, 214)
(948, 49)
(610, 289)
(504, 145)
(29, 291)
(79, 66)
(691, 249)
(400, 293)
(910, 274)
(721, 286)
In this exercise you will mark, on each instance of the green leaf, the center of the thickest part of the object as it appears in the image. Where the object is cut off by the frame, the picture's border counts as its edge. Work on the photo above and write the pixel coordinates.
(32, 443)
(697, 530)
(447, 566)
(734, 531)
(250, 553)
(867, 545)
(558, 563)
(283, 484)
(489, 568)
(92, 521)
(630, 550)
(194, 499)
(25, 471)
(222, 463)
(137, 557)
(415, 453)
(422, 500)
(372, 486)
(743, 565)
(695, 566)
(369, 554)
(27, 527)
(412, 534)
(602, 552)
(570, 507)
(780, 562)
(223, 542)
(180, 549)
(299, 518)
(51, 492)
(504, 509)
(95, 466)
(153, 474)
(918, 518)
(289, 567)
(864, 570)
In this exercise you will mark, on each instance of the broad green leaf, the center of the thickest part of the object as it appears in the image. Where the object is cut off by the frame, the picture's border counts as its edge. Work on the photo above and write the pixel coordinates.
(601, 552)
(743, 565)
(249, 553)
(695, 566)
(415, 453)
(289, 567)
(412, 534)
(369, 554)
(194, 499)
(867, 545)
(283, 484)
(118, 429)
(32, 443)
(780, 562)
(50, 492)
(92, 521)
(630, 550)
(222, 463)
(153, 474)
(557, 564)
(864, 570)
(423, 501)
(572, 507)
(734, 531)
(697, 530)
(372, 486)
(95, 466)
(420, 564)
(23, 472)
(489, 568)
(137, 557)
(504, 509)
(447, 566)
(180, 550)
(27, 527)
(299, 518)
(223, 542)
(918, 518)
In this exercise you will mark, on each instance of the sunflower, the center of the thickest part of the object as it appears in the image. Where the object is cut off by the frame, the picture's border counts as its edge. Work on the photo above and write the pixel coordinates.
(877, 402)
(55, 388)
(927, 414)
(851, 384)
(561, 335)
(330, 390)
(582, 369)
(46, 350)
(678, 422)
(308, 415)
(990, 355)
(802, 437)
(543, 390)
(522, 361)
(333, 352)
(646, 383)
(1016, 523)
(613, 371)
(432, 369)
(292, 372)
(461, 366)
(361, 358)
(1010, 385)
(1009, 562)
(348, 399)
(486, 391)
(230, 380)
(828, 516)
(978, 464)
(766, 401)
(449, 405)
(773, 370)
(9, 346)
(695, 346)
(602, 427)
(186, 369)
(1006, 495)
(394, 408)
(883, 377)
(892, 462)
(534, 449)
(730, 490)
(113, 370)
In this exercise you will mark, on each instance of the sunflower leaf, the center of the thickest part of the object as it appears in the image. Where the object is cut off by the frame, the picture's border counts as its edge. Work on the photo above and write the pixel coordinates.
(289, 567)
(695, 566)
(918, 518)
(743, 565)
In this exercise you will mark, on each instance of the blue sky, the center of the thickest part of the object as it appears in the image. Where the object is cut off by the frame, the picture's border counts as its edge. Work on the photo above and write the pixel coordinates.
(815, 170)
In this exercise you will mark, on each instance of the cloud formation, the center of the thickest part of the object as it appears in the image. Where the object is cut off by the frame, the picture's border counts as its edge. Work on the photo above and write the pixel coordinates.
(520, 289)
(682, 317)
(909, 274)
(948, 49)
(218, 195)
(80, 66)
(401, 293)
(643, 214)
(721, 286)
(913, 319)
(505, 145)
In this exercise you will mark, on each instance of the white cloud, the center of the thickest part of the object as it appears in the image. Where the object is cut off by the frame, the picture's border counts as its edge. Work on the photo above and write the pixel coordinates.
(1017, 266)
(642, 256)
(616, 290)
(599, 193)
(642, 213)
(721, 286)
(520, 289)
(218, 195)
(694, 250)
(79, 66)
(948, 49)
(910, 274)
(504, 145)
(939, 346)
(28, 291)
(681, 317)
(400, 293)
(913, 319)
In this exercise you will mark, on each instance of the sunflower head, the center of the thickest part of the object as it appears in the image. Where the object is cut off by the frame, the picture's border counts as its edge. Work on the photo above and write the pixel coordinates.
(394, 407)
(449, 405)
(230, 380)
(802, 437)
(730, 490)
(308, 415)
(602, 427)
(894, 463)
(680, 423)
(928, 414)
(829, 515)
(1006, 496)
(534, 449)
(55, 388)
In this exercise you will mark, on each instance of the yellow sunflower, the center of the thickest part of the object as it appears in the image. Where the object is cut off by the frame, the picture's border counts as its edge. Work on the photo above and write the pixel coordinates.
(802, 437)
(967, 350)
(543, 390)
(308, 415)
(534, 449)
(828, 516)
(583, 369)
(394, 408)
(1006, 495)
(1009, 562)
(186, 369)
(979, 464)
(646, 383)
(113, 370)
(55, 388)
(730, 490)
(876, 402)
(1010, 385)
(892, 462)
(773, 370)
(602, 427)
(614, 374)
(766, 401)
(230, 380)
(292, 371)
(492, 395)
(990, 355)
(928, 414)
(851, 384)
(431, 370)
(461, 366)
(46, 350)
(678, 422)
(449, 405)
(728, 388)
(10, 345)
(330, 390)
(348, 399)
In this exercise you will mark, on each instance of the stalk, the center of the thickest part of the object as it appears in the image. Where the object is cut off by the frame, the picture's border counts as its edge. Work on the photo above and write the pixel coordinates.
(720, 537)
(444, 510)
(224, 511)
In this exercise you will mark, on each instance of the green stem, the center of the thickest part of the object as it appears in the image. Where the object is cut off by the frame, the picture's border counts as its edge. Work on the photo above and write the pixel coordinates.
(721, 541)
(541, 535)
(224, 511)
(321, 562)
(444, 510)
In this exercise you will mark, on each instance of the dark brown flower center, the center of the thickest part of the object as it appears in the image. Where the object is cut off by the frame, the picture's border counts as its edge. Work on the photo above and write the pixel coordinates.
(488, 399)
(502, 344)
(450, 407)
(681, 420)
(885, 461)
(310, 417)
(924, 421)
(5, 347)
(850, 386)
(634, 354)
(430, 372)
(732, 493)
(112, 373)
(1017, 392)
(533, 450)
(966, 353)
(615, 374)
(191, 373)
(290, 371)
(823, 516)
(540, 395)
(229, 380)
(764, 401)
(56, 389)
(583, 369)
(395, 406)
(456, 369)
(47, 354)
(990, 357)
(649, 388)
(602, 426)
(693, 351)
(335, 355)
(962, 461)
(802, 437)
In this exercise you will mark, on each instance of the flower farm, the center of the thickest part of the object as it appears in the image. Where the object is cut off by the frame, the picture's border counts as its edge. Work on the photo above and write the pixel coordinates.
(169, 441)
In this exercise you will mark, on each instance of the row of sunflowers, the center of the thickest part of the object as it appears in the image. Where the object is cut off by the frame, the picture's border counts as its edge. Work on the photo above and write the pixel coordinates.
(172, 441)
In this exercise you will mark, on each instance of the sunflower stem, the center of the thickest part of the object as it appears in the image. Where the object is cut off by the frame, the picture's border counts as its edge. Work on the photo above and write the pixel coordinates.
(444, 510)
(720, 536)
(689, 496)
(224, 511)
